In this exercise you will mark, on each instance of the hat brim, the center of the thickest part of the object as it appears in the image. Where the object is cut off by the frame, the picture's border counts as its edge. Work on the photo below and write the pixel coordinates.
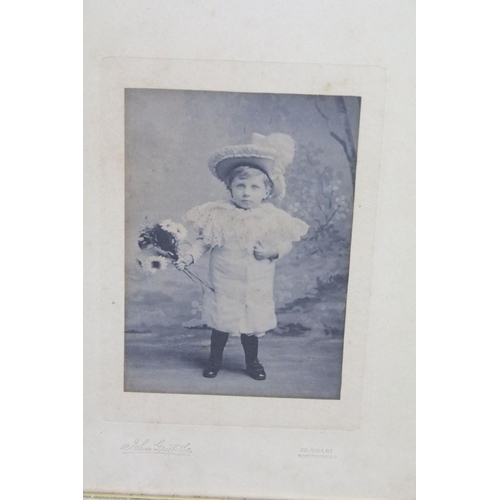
(231, 157)
(225, 166)
(265, 165)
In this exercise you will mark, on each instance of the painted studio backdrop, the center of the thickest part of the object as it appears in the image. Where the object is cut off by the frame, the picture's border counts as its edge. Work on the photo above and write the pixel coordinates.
(170, 135)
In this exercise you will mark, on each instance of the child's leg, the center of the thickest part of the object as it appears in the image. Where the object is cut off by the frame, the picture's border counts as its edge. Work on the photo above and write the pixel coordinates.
(217, 343)
(251, 347)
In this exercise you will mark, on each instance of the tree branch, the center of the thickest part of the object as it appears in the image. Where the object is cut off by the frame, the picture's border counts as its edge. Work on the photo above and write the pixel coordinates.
(321, 208)
(347, 125)
(333, 134)
(340, 101)
(331, 216)
(348, 145)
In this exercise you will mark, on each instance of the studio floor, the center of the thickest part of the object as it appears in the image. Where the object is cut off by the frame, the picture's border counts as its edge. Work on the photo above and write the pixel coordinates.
(296, 367)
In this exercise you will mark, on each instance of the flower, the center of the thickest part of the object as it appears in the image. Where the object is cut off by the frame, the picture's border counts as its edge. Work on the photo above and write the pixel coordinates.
(152, 263)
(178, 230)
(162, 239)
(167, 224)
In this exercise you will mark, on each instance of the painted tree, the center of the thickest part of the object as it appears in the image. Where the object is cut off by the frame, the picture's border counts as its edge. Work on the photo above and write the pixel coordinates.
(340, 129)
(320, 191)
(317, 193)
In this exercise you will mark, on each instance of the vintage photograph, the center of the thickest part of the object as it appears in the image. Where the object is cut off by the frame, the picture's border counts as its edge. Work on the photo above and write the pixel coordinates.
(238, 219)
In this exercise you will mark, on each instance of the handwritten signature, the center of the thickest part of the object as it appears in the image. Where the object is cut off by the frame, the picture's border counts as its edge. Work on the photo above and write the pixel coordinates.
(159, 448)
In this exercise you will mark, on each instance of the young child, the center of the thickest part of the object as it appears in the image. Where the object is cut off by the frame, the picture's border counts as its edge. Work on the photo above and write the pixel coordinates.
(245, 236)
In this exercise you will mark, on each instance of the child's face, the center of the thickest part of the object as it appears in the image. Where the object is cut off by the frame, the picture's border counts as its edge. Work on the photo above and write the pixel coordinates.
(249, 191)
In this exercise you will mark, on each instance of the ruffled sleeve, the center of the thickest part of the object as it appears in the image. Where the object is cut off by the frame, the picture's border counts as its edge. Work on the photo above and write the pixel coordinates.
(298, 229)
(290, 228)
(220, 222)
(207, 219)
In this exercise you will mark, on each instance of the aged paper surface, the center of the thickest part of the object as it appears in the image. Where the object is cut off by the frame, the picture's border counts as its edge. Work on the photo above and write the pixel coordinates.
(360, 446)
(119, 74)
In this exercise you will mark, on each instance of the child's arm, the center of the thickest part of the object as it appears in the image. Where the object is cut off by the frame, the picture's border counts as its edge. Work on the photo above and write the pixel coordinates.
(284, 248)
(262, 252)
(197, 250)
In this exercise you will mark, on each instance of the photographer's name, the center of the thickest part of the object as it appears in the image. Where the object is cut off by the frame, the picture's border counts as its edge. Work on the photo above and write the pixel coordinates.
(161, 447)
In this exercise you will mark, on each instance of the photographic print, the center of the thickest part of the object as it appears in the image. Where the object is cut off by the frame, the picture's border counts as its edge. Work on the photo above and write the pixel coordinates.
(238, 219)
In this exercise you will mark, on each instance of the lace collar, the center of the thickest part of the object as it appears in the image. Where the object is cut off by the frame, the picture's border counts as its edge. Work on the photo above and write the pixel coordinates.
(261, 211)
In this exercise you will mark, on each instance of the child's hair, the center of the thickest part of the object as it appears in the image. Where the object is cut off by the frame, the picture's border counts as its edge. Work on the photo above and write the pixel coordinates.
(246, 172)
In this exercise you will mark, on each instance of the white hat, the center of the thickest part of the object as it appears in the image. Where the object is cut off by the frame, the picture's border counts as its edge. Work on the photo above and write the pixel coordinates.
(272, 154)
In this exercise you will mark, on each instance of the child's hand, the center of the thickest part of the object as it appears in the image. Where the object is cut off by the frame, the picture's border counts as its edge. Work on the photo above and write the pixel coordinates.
(182, 262)
(262, 252)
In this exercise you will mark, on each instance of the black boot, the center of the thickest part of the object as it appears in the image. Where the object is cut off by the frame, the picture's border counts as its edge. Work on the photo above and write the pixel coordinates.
(251, 347)
(217, 344)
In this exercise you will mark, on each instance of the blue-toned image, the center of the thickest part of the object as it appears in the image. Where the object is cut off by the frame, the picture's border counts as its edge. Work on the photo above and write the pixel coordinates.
(238, 225)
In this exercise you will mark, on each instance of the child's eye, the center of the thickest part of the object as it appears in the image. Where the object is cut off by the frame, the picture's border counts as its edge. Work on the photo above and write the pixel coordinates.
(255, 187)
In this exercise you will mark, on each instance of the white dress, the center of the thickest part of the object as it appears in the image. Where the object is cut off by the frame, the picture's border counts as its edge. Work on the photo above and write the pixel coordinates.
(243, 300)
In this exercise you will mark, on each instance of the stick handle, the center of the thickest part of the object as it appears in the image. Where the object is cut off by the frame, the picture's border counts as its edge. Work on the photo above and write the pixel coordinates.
(192, 275)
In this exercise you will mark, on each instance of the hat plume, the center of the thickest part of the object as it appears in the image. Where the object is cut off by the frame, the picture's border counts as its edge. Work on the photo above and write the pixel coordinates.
(283, 144)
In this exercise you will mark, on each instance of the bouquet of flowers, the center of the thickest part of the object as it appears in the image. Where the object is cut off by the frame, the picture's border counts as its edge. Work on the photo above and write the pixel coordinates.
(161, 241)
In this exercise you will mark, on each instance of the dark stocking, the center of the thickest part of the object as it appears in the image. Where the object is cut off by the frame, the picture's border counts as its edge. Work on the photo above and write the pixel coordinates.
(251, 347)
(217, 343)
